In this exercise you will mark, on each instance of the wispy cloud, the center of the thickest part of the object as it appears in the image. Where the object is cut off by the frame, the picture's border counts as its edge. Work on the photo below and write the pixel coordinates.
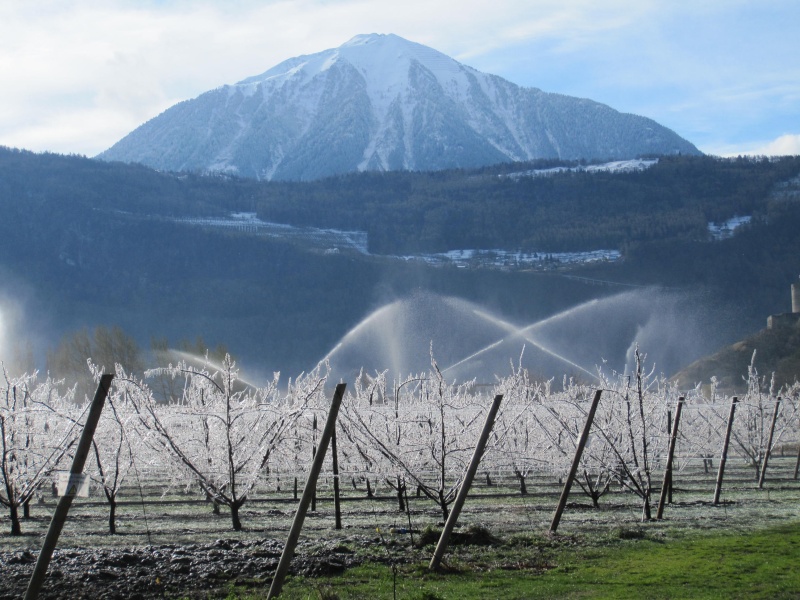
(784, 145)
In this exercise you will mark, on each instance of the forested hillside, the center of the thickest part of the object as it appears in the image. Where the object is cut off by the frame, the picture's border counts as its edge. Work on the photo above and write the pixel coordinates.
(429, 212)
(84, 242)
(405, 212)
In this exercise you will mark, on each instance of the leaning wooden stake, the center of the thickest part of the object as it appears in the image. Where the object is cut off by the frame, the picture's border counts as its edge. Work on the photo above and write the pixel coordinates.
(308, 492)
(769, 445)
(60, 514)
(562, 503)
(724, 457)
(458, 503)
(666, 487)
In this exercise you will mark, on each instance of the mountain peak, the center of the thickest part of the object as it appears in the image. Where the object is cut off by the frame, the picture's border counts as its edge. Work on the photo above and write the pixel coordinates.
(381, 59)
(364, 39)
(381, 102)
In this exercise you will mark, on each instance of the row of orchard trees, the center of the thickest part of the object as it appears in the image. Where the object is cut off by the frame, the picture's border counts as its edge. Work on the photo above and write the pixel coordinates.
(216, 432)
(225, 436)
(423, 429)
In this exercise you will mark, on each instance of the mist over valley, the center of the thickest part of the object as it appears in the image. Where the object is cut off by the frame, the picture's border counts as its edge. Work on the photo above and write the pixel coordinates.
(87, 244)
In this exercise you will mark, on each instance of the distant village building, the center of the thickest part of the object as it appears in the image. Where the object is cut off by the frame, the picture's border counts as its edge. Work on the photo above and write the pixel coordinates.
(787, 318)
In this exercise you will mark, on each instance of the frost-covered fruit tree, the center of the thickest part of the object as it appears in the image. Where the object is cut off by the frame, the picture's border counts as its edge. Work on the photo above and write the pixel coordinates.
(424, 431)
(36, 438)
(221, 432)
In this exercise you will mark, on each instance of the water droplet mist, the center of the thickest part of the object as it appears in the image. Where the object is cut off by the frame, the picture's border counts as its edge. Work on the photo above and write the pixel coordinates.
(472, 342)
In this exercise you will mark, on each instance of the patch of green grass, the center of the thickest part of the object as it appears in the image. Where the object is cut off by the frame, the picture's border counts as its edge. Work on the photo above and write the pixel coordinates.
(754, 565)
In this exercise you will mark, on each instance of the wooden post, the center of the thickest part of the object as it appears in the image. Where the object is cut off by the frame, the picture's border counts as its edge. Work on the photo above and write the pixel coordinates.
(313, 454)
(458, 504)
(64, 503)
(337, 505)
(314, 495)
(724, 457)
(562, 503)
(769, 444)
(666, 487)
(308, 492)
(669, 429)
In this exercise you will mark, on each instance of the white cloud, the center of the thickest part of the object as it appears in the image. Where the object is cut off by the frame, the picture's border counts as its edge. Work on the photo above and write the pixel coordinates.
(784, 145)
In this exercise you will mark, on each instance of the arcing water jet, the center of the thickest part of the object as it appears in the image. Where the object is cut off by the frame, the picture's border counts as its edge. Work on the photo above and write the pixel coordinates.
(475, 343)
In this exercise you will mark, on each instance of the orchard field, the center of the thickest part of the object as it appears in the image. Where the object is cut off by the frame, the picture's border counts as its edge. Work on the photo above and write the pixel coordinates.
(195, 478)
(145, 516)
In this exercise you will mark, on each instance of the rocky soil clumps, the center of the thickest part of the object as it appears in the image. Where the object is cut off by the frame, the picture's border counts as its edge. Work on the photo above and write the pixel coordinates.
(188, 571)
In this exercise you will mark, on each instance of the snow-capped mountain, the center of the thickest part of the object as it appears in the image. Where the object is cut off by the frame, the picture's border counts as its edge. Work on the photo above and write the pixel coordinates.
(380, 102)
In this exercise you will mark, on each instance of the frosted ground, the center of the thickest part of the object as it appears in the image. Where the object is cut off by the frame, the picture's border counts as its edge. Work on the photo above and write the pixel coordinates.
(173, 546)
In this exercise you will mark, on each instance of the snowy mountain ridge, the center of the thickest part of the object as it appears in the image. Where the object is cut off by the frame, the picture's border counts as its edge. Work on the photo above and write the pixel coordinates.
(380, 103)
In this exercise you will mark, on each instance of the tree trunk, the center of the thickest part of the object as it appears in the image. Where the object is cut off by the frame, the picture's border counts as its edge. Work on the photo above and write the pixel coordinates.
(14, 515)
(443, 505)
(237, 524)
(646, 515)
(523, 489)
(400, 489)
(112, 515)
(26, 510)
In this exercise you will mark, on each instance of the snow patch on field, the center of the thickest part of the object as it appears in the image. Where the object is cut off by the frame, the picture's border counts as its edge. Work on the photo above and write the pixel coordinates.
(334, 240)
(248, 222)
(721, 231)
(617, 166)
(517, 259)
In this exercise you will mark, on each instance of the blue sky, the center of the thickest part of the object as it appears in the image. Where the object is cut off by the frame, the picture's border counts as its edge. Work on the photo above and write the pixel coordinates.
(76, 76)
